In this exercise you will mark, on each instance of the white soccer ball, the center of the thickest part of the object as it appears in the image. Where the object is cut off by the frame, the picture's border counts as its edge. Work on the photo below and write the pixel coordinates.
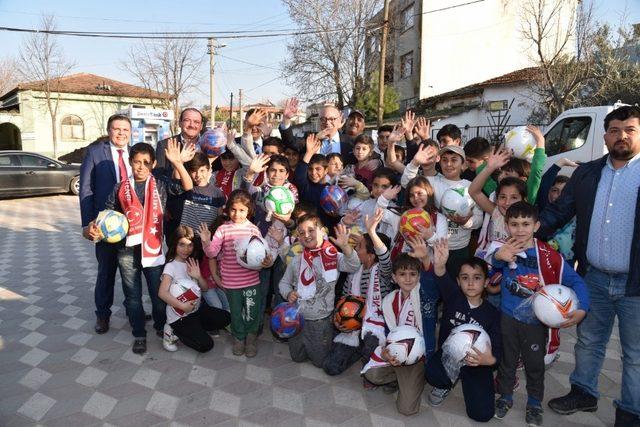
(521, 142)
(457, 201)
(463, 338)
(280, 200)
(185, 290)
(251, 251)
(405, 344)
(553, 303)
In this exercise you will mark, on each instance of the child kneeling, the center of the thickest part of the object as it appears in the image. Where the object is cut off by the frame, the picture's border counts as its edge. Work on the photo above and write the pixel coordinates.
(464, 303)
(401, 307)
(310, 280)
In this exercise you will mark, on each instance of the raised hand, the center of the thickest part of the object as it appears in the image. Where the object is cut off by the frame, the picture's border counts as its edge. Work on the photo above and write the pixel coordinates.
(255, 119)
(392, 192)
(418, 247)
(351, 217)
(346, 181)
(509, 251)
(408, 122)
(259, 164)
(231, 137)
(188, 151)
(537, 135)
(498, 159)
(440, 253)
(172, 152)
(193, 269)
(313, 144)
(290, 109)
(342, 238)
(396, 135)
(204, 233)
(426, 155)
(371, 224)
(266, 129)
(423, 128)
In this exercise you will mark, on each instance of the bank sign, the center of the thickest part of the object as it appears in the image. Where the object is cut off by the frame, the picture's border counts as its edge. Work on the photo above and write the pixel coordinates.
(147, 113)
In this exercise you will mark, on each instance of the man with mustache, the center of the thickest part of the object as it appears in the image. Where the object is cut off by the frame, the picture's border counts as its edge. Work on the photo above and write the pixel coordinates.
(604, 196)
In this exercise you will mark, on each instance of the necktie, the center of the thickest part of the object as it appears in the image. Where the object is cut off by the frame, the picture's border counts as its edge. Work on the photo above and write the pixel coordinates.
(121, 166)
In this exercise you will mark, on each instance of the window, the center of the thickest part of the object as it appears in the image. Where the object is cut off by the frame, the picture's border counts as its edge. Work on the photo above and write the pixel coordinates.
(497, 105)
(31, 161)
(568, 134)
(406, 65)
(72, 127)
(407, 18)
(9, 161)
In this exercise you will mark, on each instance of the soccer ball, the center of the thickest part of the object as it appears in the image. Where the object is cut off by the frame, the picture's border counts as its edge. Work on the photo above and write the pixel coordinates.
(456, 201)
(349, 313)
(185, 290)
(553, 303)
(521, 143)
(411, 220)
(333, 199)
(463, 338)
(280, 200)
(406, 344)
(286, 320)
(113, 226)
(213, 142)
(251, 251)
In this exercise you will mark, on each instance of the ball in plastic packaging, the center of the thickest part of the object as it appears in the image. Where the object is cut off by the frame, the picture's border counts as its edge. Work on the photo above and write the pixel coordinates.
(411, 221)
(113, 225)
(457, 201)
(333, 199)
(462, 339)
(251, 251)
(520, 142)
(286, 320)
(406, 344)
(213, 142)
(552, 304)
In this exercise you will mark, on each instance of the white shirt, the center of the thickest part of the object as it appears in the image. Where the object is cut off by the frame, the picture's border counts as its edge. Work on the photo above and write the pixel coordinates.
(116, 159)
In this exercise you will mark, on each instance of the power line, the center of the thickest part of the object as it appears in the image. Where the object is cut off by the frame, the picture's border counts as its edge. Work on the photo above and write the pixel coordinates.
(448, 7)
(248, 63)
(263, 84)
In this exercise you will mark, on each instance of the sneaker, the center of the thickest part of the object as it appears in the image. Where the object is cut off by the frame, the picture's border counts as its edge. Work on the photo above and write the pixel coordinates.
(238, 347)
(626, 419)
(139, 346)
(390, 388)
(576, 400)
(251, 345)
(438, 395)
(169, 340)
(214, 333)
(533, 416)
(502, 407)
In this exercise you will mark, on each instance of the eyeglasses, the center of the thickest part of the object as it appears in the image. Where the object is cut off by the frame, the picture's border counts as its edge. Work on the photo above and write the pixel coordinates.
(329, 119)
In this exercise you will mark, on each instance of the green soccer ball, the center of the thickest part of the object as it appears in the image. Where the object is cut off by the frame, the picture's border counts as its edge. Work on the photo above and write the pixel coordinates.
(279, 200)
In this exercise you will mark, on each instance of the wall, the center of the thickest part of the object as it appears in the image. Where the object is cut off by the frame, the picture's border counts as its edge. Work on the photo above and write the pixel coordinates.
(472, 43)
(94, 110)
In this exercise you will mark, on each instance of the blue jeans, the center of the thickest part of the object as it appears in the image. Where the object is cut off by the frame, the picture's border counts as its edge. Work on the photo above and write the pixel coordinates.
(429, 297)
(131, 270)
(216, 298)
(608, 301)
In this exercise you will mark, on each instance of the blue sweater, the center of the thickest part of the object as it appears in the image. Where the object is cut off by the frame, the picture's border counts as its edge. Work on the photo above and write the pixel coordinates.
(519, 284)
(457, 311)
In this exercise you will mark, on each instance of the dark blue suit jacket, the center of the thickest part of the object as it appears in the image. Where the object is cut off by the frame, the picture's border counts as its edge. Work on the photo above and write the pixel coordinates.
(97, 179)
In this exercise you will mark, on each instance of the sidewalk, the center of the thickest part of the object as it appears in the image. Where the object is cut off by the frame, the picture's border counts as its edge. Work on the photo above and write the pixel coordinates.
(55, 371)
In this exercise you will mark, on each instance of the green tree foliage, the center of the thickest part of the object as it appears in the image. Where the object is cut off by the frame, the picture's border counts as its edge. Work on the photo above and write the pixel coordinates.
(368, 102)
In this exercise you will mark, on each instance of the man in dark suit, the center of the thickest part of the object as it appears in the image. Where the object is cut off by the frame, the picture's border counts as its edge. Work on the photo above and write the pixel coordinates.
(191, 123)
(104, 165)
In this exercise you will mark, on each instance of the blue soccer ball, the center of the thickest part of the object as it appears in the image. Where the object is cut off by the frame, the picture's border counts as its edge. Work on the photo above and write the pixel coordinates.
(113, 226)
(213, 142)
(286, 320)
(333, 199)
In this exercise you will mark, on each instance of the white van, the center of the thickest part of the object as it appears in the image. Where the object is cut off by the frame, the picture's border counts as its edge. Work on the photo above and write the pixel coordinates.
(577, 134)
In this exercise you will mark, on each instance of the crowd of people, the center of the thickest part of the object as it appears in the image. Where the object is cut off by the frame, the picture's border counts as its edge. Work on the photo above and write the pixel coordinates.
(527, 229)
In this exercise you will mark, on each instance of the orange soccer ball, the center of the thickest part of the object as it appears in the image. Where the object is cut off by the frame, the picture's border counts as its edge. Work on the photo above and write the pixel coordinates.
(411, 220)
(349, 313)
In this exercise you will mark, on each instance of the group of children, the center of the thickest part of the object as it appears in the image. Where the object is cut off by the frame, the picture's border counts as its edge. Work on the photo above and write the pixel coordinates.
(477, 269)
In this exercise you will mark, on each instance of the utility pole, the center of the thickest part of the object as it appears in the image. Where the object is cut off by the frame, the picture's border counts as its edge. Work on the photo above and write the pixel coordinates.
(240, 118)
(383, 55)
(230, 110)
(211, 45)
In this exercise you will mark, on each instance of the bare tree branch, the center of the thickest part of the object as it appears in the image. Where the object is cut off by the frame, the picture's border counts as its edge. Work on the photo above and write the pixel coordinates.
(8, 75)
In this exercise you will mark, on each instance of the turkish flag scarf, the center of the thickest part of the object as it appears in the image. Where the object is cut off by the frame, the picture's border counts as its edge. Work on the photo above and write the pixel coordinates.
(145, 223)
(328, 255)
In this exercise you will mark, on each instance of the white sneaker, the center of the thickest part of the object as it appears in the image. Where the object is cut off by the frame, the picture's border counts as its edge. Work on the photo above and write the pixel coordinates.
(169, 340)
(438, 395)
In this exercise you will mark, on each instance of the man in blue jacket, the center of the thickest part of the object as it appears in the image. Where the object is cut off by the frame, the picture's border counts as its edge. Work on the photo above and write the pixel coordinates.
(604, 196)
(105, 164)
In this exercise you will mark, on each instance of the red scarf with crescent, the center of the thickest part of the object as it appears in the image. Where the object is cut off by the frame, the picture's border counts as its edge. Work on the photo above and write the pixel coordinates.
(328, 255)
(145, 223)
(225, 181)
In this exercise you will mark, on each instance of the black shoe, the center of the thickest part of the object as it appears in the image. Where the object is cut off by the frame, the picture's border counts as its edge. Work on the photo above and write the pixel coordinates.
(160, 333)
(102, 325)
(147, 317)
(576, 400)
(533, 416)
(502, 407)
(139, 346)
(626, 419)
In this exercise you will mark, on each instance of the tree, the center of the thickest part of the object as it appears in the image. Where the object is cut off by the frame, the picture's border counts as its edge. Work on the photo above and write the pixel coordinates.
(41, 59)
(561, 35)
(368, 102)
(328, 64)
(8, 75)
(168, 66)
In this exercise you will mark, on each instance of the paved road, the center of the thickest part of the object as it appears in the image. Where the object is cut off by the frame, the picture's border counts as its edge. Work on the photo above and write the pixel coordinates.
(55, 371)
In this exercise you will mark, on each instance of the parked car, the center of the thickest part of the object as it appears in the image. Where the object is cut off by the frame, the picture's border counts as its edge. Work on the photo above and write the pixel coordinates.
(28, 174)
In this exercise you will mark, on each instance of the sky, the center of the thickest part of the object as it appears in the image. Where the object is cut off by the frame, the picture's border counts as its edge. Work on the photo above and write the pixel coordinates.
(104, 56)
